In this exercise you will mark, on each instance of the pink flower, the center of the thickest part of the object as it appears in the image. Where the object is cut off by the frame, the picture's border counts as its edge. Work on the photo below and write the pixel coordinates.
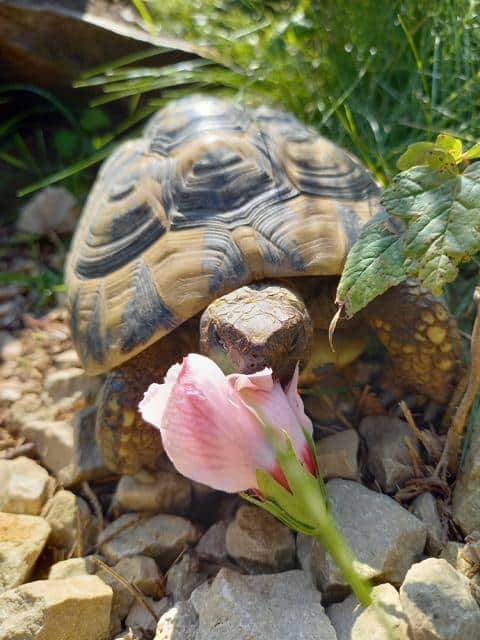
(220, 429)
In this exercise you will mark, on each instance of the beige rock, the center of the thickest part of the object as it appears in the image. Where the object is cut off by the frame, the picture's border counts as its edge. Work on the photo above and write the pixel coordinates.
(466, 495)
(143, 573)
(71, 568)
(72, 524)
(23, 486)
(388, 456)
(425, 508)
(258, 542)
(282, 606)
(385, 620)
(53, 209)
(141, 621)
(53, 440)
(438, 602)
(66, 382)
(22, 539)
(384, 537)
(337, 455)
(122, 599)
(74, 609)
(161, 537)
(161, 492)
(178, 623)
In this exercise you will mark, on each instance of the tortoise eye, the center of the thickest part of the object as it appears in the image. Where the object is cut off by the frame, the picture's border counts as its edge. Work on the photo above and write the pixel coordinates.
(294, 342)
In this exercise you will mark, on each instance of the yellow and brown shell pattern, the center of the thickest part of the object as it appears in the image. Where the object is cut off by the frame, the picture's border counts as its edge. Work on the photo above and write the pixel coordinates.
(212, 197)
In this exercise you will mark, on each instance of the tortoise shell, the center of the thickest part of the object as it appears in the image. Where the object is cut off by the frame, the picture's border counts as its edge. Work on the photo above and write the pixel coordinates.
(212, 197)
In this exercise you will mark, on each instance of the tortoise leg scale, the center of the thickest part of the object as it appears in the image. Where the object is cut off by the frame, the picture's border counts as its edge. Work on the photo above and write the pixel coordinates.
(421, 338)
(127, 443)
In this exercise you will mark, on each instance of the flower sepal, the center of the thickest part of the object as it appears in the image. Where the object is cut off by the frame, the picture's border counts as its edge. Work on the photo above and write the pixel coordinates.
(304, 505)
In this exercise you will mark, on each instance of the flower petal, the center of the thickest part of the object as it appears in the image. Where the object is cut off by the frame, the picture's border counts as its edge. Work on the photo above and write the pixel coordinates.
(208, 433)
(260, 380)
(296, 402)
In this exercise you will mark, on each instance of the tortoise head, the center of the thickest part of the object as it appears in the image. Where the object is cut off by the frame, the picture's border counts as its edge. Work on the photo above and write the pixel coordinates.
(256, 326)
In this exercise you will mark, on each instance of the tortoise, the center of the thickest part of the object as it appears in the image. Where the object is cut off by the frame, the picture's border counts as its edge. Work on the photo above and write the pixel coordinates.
(225, 229)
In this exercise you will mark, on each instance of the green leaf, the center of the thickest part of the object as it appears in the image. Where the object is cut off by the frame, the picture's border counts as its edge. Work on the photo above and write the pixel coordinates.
(414, 155)
(93, 120)
(374, 264)
(472, 153)
(450, 144)
(442, 213)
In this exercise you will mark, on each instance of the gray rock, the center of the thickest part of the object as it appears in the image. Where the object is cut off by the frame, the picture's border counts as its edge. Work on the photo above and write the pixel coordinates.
(161, 492)
(384, 620)
(384, 537)
(22, 539)
(141, 621)
(87, 462)
(141, 572)
(183, 577)
(178, 623)
(388, 456)
(438, 602)
(258, 542)
(425, 508)
(212, 545)
(337, 455)
(23, 486)
(161, 537)
(280, 606)
(73, 528)
(53, 209)
(66, 382)
(466, 495)
(73, 609)
(53, 440)
(122, 599)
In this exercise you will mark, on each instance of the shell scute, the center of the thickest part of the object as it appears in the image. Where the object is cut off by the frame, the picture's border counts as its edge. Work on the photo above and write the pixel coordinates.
(212, 197)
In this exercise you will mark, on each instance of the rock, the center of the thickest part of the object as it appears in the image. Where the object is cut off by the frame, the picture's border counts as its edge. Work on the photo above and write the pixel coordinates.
(280, 606)
(178, 623)
(258, 542)
(67, 382)
(388, 456)
(141, 572)
(87, 462)
(451, 552)
(161, 537)
(22, 539)
(352, 622)
(438, 603)
(466, 495)
(384, 537)
(160, 492)
(425, 508)
(183, 577)
(51, 43)
(212, 545)
(23, 486)
(72, 524)
(122, 599)
(53, 440)
(71, 568)
(53, 209)
(11, 348)
(73, 609)
(141, 621)
(337, 455)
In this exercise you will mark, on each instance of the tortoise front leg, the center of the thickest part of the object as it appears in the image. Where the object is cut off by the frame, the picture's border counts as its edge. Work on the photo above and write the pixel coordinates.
(127, 443)
(421, 337)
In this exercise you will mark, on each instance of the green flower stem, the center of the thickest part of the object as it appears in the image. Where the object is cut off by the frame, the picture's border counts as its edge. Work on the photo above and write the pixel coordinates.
(331, 538)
